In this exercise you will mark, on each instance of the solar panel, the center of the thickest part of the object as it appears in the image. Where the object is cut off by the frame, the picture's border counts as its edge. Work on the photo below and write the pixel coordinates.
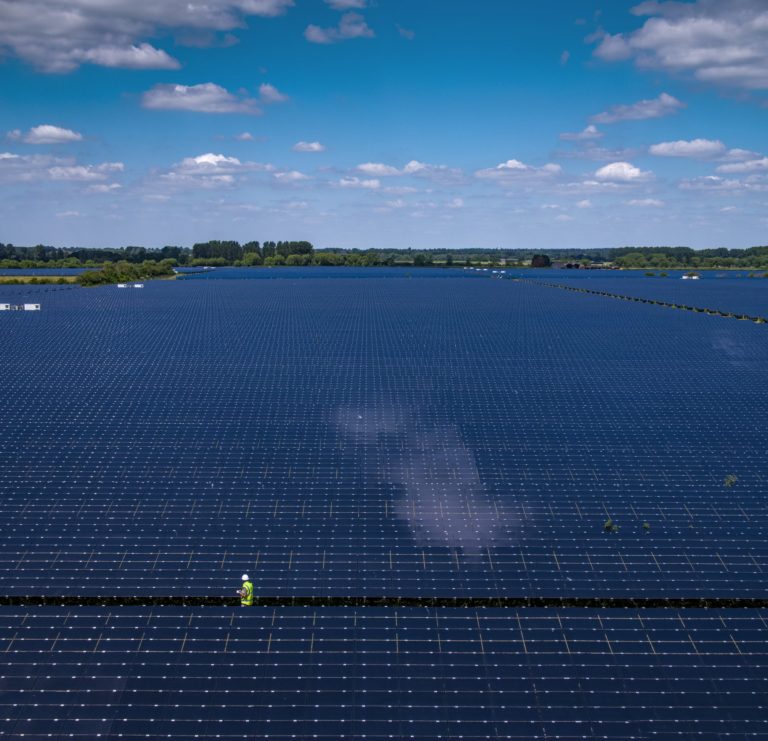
(382, 434)
(724, 291)
(379, 673)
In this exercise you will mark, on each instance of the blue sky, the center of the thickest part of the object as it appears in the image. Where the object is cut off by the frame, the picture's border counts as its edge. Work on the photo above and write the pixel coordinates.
(384, 123)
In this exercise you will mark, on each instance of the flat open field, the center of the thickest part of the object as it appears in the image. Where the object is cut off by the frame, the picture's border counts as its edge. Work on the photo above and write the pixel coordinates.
(347, 435)
(12, 279)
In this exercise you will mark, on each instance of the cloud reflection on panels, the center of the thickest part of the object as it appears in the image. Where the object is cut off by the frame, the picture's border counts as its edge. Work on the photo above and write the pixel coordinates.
(441, 497)
(379, 433)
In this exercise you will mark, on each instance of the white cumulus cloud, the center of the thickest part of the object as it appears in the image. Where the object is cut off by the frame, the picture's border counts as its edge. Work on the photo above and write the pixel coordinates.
(378, 169)
(84, 172)
(413, 168)
(515, 169)
(696, 148)
(724, 42)
(645, 202)
(270, 94)
(755, 165)
(60, 35)
(210, 170)
(105, 188)
(351, 26)
(47, 134)
(354, 182)
(303, 146)
(204, 98)
(440, 173)
(740, 155)
(290, 176)
(622, 172)
(208, 161)
(664, 105)
(37, 168)
(590, 133)
(143, 56)
(710, 182)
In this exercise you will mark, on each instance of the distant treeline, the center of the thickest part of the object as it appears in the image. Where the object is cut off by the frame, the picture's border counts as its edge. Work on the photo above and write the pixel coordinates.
(42, 256)
(251, 253)
(685, 257)
(270, 253)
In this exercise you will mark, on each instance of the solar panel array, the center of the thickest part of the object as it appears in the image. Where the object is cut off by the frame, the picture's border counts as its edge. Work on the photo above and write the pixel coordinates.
(383, 674)
(390, 437)
(721, 291)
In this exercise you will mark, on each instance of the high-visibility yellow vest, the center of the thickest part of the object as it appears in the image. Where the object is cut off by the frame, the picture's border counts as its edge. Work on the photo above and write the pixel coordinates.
(246, 600)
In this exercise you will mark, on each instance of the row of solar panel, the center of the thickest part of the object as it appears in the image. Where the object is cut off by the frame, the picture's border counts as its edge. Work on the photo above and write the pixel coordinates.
(728, 294)
(377, 508)
(152, 577)
(571, 528)
(384, 674)
(394, 559)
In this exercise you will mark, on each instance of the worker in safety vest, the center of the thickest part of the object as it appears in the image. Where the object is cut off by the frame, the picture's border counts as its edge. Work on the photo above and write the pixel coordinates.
(246, 593)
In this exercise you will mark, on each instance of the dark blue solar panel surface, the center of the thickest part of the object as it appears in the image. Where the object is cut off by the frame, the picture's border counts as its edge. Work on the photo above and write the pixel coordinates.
(424, 436)
(734, 292)
(384, 674)
(369, 433)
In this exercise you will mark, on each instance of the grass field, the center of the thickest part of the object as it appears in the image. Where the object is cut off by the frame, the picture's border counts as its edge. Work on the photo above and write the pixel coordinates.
(16, 279)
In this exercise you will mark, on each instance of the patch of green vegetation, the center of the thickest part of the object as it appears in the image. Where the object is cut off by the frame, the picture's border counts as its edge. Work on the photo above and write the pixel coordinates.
(34, 280)
(125, 272)
(730, 480)
(610, 526)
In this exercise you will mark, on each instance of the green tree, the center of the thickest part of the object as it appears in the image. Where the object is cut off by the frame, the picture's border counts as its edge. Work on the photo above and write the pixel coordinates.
(297, 259)
(229, 251)
(633, 260)
(251, 258)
